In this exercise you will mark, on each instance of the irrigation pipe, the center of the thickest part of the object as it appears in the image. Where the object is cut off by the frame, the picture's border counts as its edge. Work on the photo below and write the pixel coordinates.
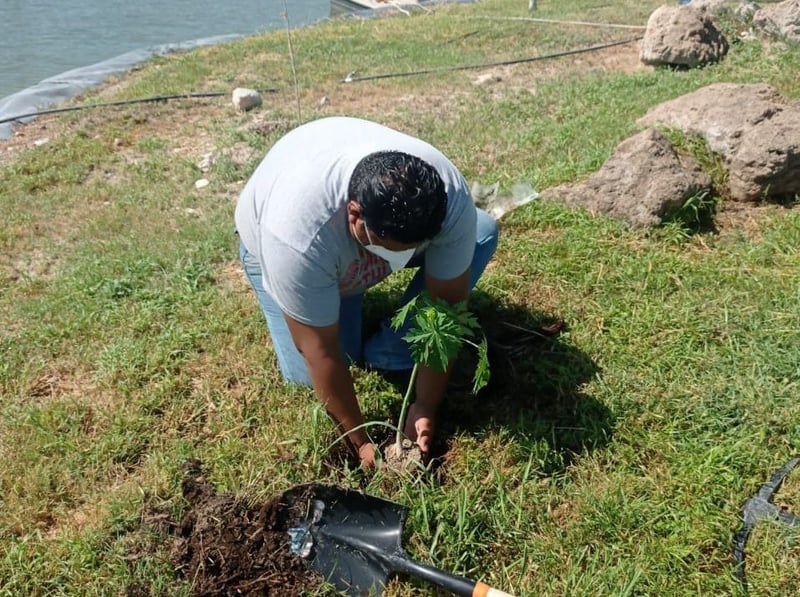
(350, 78)
(555, 22)
(157, 98)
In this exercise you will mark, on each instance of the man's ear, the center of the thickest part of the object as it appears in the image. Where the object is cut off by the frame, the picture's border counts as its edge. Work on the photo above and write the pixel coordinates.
(353, 211)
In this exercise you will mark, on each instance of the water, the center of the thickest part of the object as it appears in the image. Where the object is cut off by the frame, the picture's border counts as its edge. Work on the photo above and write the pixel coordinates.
(43, 38)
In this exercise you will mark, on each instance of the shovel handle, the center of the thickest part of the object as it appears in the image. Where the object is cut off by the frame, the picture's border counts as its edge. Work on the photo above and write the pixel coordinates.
(459, 585)
(483, 590)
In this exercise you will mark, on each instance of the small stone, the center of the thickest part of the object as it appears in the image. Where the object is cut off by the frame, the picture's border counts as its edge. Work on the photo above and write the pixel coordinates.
(246, 99)
(206, 161)
(202, 183)
(486, 78)
(42, 141)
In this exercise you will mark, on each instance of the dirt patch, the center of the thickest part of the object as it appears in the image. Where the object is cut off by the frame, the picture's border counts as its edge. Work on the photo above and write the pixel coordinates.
(227, 546)
(25, 137)
(375, 97)
(231, 279)
(746, 218)
(525, 75)
(406, 460)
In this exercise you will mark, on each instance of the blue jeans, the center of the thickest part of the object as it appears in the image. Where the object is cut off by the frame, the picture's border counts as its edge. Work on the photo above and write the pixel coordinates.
(386, 349)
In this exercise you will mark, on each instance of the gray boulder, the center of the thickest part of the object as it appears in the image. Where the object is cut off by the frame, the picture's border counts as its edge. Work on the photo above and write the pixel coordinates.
(682, 36)
(753, 128)
(711, 5)
(743, 10)
(641, 182)
(780, 20)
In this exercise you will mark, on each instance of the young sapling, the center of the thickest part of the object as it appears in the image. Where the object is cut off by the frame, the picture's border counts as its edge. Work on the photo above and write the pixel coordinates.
(436, 334)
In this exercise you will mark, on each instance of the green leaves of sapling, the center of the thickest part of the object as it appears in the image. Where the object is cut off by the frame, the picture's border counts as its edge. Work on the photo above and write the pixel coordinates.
(435, 336)
(481, 377)
(437, 332)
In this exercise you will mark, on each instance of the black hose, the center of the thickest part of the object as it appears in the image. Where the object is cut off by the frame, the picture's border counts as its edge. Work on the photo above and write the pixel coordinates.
(352, 79)
(157, 98)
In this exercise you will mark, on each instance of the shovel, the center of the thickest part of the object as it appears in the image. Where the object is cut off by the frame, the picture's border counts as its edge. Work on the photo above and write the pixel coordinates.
(353, 540)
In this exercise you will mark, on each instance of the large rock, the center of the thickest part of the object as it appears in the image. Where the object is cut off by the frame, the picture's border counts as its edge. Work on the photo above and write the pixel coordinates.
(711, 5)
(682, 36)
(246, 99)
(641, 182)
(756, 131)
(780, 20)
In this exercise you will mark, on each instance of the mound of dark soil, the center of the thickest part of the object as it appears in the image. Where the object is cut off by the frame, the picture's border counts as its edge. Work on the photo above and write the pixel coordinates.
(226, 546)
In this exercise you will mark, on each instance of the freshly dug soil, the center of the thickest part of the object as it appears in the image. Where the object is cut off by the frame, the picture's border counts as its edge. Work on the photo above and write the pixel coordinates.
(407, 460)
(226, 546)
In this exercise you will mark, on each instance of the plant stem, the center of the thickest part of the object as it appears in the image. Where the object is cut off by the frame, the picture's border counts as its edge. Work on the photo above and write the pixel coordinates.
(406, 399)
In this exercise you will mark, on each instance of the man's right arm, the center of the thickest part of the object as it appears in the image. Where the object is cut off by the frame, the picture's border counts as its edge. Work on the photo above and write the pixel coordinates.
(333, 385)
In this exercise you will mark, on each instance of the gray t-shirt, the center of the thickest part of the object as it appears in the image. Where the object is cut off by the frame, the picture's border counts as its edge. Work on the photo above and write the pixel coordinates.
(292, 214)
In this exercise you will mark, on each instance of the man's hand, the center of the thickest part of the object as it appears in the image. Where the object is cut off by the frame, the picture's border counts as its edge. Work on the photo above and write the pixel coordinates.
(366, 454)
(420, 425)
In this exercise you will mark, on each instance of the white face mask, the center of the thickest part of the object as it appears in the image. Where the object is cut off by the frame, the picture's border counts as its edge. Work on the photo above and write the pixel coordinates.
(397, 259)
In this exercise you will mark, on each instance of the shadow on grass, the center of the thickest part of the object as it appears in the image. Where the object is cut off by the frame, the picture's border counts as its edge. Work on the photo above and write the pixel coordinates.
(534, 392)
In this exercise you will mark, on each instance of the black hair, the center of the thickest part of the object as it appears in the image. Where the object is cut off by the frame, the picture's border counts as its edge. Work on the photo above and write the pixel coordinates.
(402, 197)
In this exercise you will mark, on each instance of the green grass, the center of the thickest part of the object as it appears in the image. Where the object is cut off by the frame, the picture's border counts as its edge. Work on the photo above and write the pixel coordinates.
(612, 460)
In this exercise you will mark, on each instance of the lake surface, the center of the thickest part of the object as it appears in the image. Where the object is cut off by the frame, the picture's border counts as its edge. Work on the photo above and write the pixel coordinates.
(43, 38)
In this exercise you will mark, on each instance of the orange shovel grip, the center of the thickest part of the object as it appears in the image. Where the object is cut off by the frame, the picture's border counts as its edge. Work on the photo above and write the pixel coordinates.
(483, 590)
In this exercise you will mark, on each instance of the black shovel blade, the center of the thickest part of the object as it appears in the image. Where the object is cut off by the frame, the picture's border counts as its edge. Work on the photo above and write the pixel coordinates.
(356, 537)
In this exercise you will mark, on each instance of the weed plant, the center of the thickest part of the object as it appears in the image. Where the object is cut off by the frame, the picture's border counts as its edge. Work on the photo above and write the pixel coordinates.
(435, 337)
